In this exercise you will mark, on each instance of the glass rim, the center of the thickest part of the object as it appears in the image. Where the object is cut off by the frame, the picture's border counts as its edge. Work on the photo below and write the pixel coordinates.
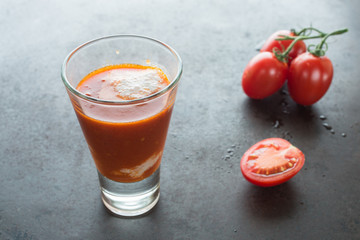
(73, 90)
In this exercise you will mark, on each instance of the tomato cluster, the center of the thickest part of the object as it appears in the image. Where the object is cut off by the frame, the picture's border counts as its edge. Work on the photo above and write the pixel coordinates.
(308, 76)
(309, 73)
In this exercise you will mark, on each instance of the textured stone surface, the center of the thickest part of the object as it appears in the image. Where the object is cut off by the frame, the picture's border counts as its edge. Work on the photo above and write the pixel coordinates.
(49, 187)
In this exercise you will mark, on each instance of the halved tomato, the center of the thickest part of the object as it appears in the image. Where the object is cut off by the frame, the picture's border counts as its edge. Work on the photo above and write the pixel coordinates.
(271, 162)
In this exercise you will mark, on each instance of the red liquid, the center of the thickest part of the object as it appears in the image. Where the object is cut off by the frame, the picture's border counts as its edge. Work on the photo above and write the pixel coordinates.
(130, 150)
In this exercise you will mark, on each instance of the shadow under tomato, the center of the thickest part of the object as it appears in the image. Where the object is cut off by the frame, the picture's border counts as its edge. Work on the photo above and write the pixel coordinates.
(279, 110)
(270, 203)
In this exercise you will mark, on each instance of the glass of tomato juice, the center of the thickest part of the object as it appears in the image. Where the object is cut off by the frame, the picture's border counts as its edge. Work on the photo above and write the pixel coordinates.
(123, 90)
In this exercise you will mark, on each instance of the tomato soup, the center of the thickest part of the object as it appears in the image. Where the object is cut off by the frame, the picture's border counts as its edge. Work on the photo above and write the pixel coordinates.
(127, 141)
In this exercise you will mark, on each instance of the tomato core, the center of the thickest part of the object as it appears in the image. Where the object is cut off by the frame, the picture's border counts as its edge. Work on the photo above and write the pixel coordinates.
(269, 159)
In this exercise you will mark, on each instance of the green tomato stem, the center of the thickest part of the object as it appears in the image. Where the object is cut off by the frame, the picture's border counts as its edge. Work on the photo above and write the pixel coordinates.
(319, 48)
(284, 55)
(309, 29)
(318, 51)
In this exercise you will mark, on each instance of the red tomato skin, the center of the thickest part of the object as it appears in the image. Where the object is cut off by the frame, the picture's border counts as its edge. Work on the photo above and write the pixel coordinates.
(271, 44)
(264, 181)
(263, 76)
(309, 78)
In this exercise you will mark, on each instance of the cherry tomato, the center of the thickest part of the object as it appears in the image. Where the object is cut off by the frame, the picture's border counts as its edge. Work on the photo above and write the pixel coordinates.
(263, 76)
(271, 162)
(271, 44)
(309, 78)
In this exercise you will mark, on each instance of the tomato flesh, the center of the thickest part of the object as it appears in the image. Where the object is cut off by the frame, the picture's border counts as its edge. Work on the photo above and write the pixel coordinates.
(271, 162)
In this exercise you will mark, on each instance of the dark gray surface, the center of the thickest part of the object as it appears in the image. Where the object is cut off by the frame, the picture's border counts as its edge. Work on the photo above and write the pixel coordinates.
(49, 187)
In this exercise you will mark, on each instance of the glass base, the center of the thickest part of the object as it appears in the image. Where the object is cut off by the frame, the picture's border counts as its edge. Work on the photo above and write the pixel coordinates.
(130, 199)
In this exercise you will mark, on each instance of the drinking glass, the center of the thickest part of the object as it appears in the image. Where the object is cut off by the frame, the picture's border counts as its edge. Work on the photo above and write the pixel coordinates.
(126, 138)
